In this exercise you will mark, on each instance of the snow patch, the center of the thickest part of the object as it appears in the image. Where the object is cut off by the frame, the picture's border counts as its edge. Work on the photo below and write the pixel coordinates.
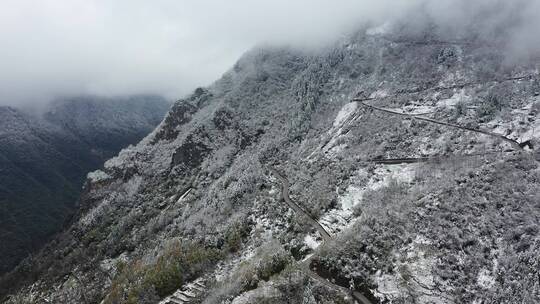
(345, 113)
(132, 186)
(379, 94)
(264, 228)
(388, 287)
(93, 214)
(311, 242)
(485, 279)
(522, 126)
(352, 197)
(533, 132)
(330, 145)
(335, 150)
(383, 175)
(98, 176)
(184, 196)
(254, 296)
(273, 191)
(417, 109)
(337, 220)
(454, 100)
(414, 271)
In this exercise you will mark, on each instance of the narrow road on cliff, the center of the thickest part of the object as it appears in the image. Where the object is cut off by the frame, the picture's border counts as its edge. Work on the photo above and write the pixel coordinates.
(359, 297)
(299, 210)
(514, 143)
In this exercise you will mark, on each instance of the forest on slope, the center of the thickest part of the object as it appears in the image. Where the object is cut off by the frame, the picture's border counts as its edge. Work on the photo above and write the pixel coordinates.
(44, 159)
(197, 203)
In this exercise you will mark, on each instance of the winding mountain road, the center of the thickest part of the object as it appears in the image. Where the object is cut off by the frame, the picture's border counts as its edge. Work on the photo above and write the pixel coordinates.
(433, 158)
(514, 143)
(299, 210)
(450, 87)
(359, 297)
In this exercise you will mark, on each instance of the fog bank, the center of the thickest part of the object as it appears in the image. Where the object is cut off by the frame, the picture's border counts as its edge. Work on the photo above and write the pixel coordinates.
(76, 47)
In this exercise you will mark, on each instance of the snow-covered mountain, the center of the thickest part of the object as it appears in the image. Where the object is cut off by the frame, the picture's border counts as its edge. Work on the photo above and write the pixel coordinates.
(44, 160)
(388, 168)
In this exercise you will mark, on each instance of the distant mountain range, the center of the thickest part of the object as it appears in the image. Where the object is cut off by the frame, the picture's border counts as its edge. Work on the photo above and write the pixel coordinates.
(44, 160)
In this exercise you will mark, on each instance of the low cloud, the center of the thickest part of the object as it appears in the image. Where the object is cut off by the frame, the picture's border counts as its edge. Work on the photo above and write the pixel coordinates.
(69, 47)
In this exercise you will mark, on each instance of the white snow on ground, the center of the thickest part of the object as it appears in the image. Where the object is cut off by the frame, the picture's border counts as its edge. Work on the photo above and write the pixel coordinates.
(485, 279)
(89, 218)
(335, 150)
(308, 257)
(311, 242)
(266, 291)
(533, 132)
(413, 271)
(414, 109)
(184, 196)
(330, 145)
(345, 113)
(429, 147)
(388, 287)
(265, 228)
(273, 191)
(454, 100)
(379, 94)
(131, 187)
(122, 158)
(522, 127)
(352, 197)
(403, 173)
(98, 176)
(337, 220)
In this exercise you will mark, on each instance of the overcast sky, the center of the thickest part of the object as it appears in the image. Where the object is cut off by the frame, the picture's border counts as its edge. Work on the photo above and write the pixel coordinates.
(113, 47)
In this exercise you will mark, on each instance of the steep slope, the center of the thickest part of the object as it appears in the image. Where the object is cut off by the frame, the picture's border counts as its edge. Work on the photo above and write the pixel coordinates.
(199, 202)
(108, 124)
(44, 162)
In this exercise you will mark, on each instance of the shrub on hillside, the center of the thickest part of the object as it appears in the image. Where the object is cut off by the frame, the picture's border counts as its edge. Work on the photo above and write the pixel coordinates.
(139, 282)
(235, 235)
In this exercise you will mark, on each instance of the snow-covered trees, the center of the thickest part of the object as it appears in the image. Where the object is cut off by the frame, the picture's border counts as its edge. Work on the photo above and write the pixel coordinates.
(431, 231)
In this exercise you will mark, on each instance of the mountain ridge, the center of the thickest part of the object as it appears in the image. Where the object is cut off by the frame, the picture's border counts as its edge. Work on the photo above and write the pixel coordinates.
(44, 163)
(194, 199)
